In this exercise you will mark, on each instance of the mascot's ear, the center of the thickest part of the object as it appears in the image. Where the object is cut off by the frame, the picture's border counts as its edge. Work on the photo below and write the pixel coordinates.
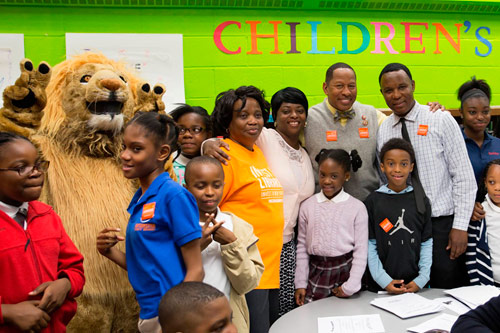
(150, 100)
(158, 92)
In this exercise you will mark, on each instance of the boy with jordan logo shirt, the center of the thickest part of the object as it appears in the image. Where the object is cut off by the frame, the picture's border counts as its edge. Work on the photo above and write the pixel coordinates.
(400, 238)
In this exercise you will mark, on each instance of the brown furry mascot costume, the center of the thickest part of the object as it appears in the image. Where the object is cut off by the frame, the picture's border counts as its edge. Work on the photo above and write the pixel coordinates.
(78, 128)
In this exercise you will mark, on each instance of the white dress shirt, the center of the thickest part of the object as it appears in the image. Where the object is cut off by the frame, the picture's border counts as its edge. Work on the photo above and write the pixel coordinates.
(12, 210)
(443, 163)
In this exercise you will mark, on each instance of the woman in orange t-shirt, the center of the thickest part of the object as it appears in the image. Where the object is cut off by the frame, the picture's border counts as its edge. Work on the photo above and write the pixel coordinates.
(252, 192)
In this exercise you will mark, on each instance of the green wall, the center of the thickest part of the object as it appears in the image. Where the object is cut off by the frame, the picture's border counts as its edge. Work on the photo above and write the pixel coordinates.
(208, 70)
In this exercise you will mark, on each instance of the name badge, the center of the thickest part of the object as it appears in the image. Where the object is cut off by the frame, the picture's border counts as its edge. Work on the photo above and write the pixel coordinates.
(422, 130)
(386, 225)
(363, 132)
(331, 136)
(145, 227)
(148, 211)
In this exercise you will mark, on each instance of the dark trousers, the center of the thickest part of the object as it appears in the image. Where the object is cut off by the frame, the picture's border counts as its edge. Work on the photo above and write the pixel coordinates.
(445, 273)
(263, 306)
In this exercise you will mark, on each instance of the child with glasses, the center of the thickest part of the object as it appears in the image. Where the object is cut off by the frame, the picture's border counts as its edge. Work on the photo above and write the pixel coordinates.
(194, 128)
(41, 270)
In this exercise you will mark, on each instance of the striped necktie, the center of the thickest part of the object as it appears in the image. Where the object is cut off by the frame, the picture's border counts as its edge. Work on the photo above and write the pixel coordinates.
(415, 180)
(20, 216)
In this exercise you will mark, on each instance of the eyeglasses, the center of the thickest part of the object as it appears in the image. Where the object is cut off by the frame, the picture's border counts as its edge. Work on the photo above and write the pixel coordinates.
(27, 170)
(193, 130)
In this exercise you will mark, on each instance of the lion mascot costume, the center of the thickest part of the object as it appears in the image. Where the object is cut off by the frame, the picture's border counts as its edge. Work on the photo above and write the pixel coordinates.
(75, 114)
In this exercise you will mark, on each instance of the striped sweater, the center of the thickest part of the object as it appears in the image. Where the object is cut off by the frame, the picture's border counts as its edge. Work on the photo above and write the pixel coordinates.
(477, 256)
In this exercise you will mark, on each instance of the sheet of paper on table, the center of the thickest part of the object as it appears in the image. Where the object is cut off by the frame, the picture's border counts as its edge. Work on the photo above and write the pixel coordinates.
(351, 324)
(453, 304)
(473, 296)
(442, 322)
(407, 305)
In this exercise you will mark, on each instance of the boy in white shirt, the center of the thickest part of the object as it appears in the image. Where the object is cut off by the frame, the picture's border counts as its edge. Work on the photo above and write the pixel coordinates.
(231, 260)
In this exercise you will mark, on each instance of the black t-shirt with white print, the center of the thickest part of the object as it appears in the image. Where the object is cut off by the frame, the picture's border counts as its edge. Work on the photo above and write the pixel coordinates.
(399, 230)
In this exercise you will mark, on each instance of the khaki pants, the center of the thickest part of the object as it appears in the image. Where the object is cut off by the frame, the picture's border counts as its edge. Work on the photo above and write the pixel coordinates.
(149, 325)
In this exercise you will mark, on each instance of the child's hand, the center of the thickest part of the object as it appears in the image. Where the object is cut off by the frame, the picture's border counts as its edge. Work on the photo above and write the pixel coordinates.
(224, 236)
(393, 289)
(54, 294)
(411, 287)
(106, 239)
(207, 230)
(26, 315)
(338, 292)
(478, 213)
(300, 296)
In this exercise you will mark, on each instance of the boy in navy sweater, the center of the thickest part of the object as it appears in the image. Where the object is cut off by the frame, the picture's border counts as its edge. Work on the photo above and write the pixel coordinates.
(400, 238)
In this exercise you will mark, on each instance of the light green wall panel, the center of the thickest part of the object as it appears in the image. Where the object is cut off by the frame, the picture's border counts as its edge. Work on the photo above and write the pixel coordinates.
(208, 70)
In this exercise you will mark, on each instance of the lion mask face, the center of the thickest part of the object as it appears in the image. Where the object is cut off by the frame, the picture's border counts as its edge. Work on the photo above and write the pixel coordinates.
(99, 95)
(90, 97)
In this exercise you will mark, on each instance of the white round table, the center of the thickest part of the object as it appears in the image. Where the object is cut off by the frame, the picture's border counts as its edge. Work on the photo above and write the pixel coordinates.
(304, 319)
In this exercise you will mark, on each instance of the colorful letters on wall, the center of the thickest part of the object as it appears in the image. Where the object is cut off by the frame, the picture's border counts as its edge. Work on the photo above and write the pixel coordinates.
(381, 33)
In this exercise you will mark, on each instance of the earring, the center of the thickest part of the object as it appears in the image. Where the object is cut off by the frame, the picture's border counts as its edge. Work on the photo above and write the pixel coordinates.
(227, 130)
(274, 124)
(305, 125)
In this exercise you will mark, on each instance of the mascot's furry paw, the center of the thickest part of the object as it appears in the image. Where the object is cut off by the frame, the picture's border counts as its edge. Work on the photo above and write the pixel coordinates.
(150, 100)
(24, 101)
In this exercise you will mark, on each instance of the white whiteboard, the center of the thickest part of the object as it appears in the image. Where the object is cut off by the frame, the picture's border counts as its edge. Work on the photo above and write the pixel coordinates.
(11, 54)
(156, 58)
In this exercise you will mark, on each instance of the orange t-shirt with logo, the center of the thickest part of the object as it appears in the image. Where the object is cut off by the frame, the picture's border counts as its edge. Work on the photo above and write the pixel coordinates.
(253, 193)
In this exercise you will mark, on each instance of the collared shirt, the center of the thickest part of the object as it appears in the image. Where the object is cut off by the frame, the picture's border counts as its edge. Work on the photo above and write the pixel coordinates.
(443, 164)
(385, 189)
(340, 197)
(162, 220)
(480, 156)
(332, 227)
(343, 121)
(12, 210)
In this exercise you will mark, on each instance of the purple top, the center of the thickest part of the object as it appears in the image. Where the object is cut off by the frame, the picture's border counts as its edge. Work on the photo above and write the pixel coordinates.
(332, 228)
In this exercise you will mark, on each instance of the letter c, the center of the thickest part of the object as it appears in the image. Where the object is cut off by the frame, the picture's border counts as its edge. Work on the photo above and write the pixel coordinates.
(218, 34)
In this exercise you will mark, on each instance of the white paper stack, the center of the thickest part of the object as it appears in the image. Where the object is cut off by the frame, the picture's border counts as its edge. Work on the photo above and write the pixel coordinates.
(407, 305)
(453, 304)
(443, 322)
(351, 324)
(474, 296)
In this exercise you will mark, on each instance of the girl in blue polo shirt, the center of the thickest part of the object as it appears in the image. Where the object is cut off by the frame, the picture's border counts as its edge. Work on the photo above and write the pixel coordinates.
(163, 233)
(475, 96)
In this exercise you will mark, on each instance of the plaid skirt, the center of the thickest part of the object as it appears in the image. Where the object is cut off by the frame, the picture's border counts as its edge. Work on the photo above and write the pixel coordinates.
(326, 273)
